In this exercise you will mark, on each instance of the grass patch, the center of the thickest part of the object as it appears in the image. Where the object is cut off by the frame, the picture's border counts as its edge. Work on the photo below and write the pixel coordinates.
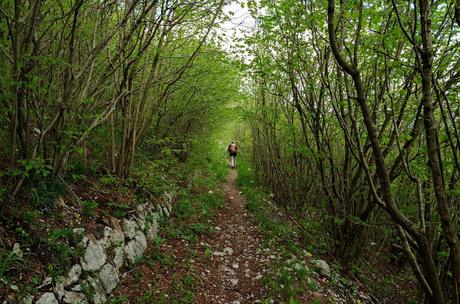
(180, 292)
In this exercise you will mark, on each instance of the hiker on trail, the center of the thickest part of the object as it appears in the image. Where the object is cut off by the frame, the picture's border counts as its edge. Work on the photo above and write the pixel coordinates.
(232, 149)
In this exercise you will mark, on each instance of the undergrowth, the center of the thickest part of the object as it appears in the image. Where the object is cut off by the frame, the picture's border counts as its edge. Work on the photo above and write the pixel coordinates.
(290, 278)
(199, 195)
(295, 240)
(50, 207)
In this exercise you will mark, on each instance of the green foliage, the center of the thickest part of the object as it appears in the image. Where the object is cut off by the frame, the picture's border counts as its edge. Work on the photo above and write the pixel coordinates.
(311, 135)
(108, 180)
(88, 290)
(89, 207)
(45, 193)
(179, 293)
(34, 168)
(119, 300)
(63, 250)
(30, 216)
(60, 234)
(7, 261)
(199, 208)
(118, 209)
(183, 208)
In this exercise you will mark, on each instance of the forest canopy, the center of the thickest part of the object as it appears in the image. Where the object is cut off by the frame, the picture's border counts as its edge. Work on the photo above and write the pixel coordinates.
(352, 110)
(96, 77)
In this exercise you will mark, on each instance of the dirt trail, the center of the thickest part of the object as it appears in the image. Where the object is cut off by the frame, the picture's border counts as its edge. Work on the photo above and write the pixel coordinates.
(233, 275)
(225, 264)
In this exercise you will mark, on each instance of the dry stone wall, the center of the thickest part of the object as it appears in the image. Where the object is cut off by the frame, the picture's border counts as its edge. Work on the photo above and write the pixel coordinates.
(99, 270)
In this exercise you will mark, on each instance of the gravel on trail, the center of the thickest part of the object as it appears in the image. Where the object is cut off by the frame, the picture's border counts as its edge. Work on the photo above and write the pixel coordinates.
(233, 273)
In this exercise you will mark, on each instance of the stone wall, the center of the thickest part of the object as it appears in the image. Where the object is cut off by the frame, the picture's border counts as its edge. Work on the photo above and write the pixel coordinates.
(123, 243)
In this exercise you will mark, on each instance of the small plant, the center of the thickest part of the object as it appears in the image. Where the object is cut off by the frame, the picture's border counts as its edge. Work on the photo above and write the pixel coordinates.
(24, 235)
(31, 216)
(200, 228)
(120, 300)
(35, 167)
(59, 234)
(108, 180)
(88, 290)
(89, 207)
(312, 285)
(58, 242)
(7, 260)
(208, 253)
(183, 208)
(35, 280)
(118, 210)
(46, 191)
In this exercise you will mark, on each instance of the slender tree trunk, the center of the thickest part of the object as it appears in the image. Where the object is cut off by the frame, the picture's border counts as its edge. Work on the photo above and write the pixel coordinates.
(382, 173)
(431, 137)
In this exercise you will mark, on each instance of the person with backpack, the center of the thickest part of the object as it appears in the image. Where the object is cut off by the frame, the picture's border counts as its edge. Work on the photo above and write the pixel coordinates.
(233, 150)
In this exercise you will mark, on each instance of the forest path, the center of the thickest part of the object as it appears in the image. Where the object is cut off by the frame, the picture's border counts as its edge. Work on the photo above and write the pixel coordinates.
(233, 274)
(225, 265)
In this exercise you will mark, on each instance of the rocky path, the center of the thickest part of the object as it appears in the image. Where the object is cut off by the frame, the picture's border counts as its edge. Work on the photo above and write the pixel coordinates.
(234, 271)
(226, 264)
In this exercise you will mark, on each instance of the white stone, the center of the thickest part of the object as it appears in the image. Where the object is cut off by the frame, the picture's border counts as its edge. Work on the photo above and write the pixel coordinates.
(59, 289)
(152, 227)
(235, 265)
(95, 256)
(142, 210)
(99, 292)
(169, 206)
(78, 231)
(129, 228)
(140, 219)
(73, 297)
(166, 211)
(27, 299)
(112, 237)
(118, 260)
(169, 197)
(159, 209)
(322, 267)
(47, 298)
(136, 247)
(84, 241)
(73, 275)
(228, 250)
(234, 281)
(77, 288)
(17, 251)
(109, 277)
